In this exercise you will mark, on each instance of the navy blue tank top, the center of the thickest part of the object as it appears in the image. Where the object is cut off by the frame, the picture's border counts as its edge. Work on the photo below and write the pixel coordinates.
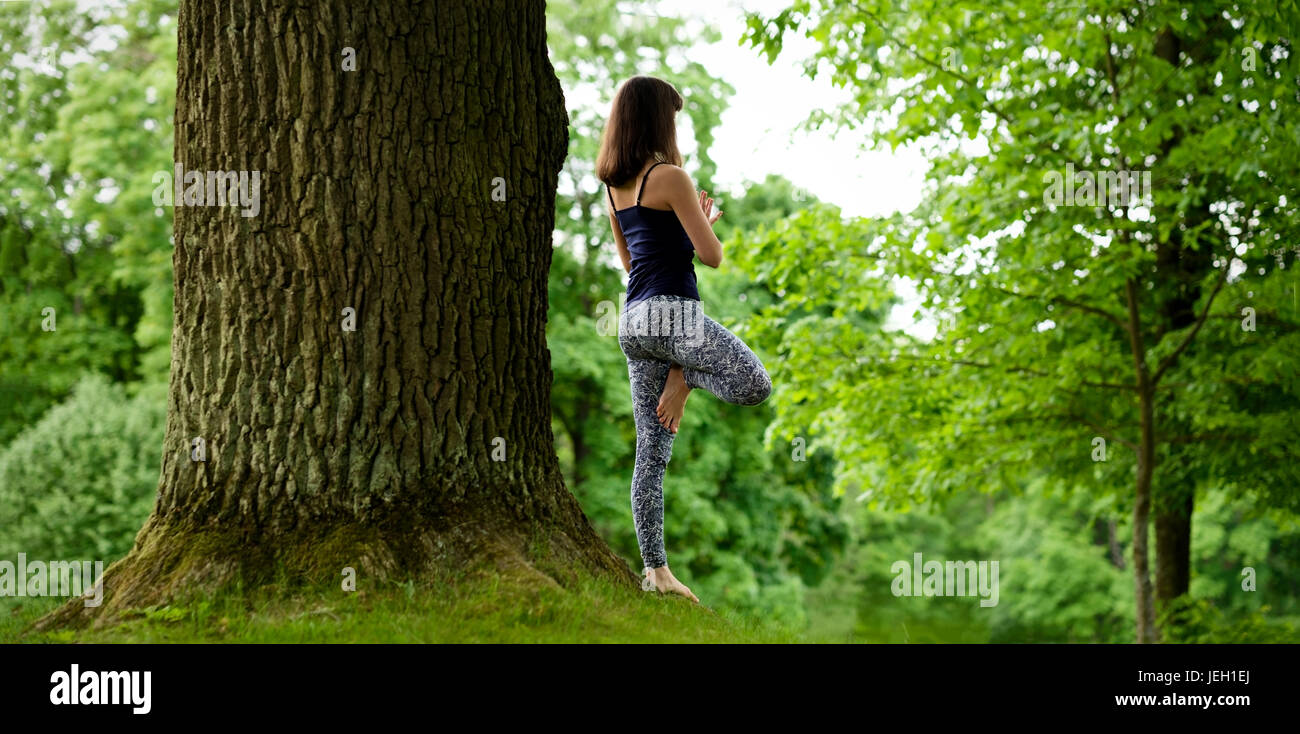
(663, 258)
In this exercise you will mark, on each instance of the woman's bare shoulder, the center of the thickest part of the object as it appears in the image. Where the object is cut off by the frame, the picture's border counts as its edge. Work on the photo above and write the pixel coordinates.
(669, 181)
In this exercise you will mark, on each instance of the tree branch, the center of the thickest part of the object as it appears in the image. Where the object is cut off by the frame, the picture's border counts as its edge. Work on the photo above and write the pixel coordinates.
(1037, 373)
(1105, 432)
(1071, 303)
(1200, 437)
(1172, 358)
(1014, 368)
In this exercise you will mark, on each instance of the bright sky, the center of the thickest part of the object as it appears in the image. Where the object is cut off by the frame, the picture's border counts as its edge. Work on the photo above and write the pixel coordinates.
(758, 134)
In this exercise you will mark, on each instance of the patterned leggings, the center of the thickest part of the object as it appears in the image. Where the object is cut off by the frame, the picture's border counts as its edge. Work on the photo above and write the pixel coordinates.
(654, 334)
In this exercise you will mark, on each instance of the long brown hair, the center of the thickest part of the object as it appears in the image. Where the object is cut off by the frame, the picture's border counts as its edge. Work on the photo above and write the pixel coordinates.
(641, 126)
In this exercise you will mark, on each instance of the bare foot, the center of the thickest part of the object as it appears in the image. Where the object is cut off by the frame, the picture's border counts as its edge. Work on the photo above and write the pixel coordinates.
(663, 581)
(672, 402)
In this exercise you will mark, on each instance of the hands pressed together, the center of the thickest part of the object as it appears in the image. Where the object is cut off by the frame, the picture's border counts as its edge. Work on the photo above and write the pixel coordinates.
(706, 204)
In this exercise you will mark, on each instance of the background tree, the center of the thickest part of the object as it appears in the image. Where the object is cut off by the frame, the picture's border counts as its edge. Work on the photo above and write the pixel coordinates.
(86, 124)
(1058, 324)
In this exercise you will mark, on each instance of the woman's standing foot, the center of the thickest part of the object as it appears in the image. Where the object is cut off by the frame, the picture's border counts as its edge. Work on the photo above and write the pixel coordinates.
(663, 581)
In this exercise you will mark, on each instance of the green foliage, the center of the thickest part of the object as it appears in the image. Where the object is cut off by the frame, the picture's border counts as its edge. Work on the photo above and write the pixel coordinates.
(87, 98)
(884, 538)
(1062, 580)
(1189, 620)
(1057, 579)
(80, 482)
(1063, 575)
(1032, 360)
(1051, 318)
(1235, 538)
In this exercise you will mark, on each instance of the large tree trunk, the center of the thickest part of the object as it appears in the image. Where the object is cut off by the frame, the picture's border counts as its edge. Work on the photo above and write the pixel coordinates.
(372, 448)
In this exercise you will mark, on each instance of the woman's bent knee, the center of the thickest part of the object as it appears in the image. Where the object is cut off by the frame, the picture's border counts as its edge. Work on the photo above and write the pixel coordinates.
(758, 391)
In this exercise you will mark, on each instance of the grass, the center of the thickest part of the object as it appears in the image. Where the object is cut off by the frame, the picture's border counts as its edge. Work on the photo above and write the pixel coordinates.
(485, 610)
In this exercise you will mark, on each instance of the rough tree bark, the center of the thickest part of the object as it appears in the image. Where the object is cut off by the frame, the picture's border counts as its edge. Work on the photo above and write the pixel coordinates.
(370, 448)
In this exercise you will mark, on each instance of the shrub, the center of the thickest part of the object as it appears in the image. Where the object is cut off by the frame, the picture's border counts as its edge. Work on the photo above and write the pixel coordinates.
(1188, 620)
(78, 483)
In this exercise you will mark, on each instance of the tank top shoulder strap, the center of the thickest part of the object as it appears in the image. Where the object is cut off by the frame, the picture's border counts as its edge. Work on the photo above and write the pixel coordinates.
(611, 198)
(643, 179)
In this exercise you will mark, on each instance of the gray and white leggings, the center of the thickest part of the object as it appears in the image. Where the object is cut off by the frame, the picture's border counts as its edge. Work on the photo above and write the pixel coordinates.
(654, 334)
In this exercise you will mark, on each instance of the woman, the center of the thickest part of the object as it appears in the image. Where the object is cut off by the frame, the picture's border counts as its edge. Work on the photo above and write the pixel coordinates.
(660, 225)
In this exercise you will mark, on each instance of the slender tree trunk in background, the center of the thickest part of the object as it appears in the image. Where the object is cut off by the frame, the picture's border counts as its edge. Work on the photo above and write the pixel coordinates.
(421, 440)
(1183, 269)
(1173, 505)
(1112, 539)
(1173, 548)
(1144, 606)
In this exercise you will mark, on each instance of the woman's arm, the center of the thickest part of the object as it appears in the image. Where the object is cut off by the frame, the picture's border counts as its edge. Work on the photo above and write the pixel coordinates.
(695, 211)
(620, 241)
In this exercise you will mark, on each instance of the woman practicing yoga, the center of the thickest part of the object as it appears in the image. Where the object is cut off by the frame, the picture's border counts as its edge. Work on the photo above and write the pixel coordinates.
(670, 345)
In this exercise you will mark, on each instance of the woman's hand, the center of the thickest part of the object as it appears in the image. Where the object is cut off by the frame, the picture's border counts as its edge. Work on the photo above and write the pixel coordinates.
(695, 211)
(706, 205)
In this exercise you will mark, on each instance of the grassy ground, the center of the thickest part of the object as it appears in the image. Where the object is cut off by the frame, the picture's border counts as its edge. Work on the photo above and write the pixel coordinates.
(468, 611)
